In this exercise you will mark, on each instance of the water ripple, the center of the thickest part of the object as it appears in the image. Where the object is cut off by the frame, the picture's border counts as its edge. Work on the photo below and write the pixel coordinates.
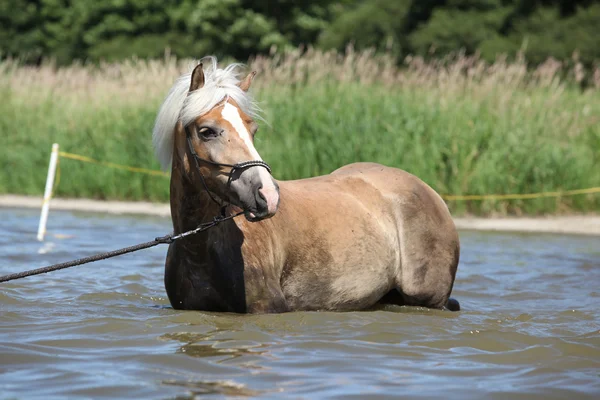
(530, 326)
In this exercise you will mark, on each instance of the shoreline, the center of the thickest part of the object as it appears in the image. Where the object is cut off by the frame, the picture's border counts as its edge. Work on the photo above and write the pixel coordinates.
(575, 224)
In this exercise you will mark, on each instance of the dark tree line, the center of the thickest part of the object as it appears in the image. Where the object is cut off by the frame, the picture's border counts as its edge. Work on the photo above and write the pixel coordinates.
(68, 30)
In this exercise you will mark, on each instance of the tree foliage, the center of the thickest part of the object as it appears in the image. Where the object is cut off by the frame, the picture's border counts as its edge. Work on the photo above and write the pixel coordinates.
(67, 30)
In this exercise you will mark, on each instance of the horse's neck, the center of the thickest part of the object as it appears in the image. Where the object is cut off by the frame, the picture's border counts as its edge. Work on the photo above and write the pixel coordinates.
(190, 204)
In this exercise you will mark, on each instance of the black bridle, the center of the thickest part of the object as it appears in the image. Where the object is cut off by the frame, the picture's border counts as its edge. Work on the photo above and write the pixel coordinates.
(233, 168)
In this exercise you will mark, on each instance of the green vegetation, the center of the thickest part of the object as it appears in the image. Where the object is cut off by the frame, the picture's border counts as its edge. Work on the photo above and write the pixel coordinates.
(109, 30)
(542, 28)
(68, 30)
(462, 125)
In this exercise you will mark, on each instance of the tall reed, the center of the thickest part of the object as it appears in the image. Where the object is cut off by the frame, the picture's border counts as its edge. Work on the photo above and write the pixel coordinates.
(461, 125)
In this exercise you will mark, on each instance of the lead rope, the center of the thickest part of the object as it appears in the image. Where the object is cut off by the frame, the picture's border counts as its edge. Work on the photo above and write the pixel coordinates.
(168, 239)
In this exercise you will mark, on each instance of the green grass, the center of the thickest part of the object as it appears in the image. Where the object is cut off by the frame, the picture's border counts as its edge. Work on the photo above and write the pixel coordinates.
(461, 147)
(473, 137)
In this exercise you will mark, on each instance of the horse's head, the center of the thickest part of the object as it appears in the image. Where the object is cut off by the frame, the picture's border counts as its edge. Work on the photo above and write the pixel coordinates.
(220, 149)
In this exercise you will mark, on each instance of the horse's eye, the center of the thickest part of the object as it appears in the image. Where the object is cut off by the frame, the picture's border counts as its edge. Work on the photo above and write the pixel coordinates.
(206, 133)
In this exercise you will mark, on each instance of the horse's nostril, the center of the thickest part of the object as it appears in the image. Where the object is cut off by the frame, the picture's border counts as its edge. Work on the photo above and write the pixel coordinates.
(261, 200)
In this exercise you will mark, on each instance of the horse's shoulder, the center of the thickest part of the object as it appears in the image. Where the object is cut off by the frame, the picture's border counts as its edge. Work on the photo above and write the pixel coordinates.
(408, 189)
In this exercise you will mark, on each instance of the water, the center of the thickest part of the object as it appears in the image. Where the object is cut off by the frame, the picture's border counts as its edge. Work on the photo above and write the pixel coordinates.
(530, 326)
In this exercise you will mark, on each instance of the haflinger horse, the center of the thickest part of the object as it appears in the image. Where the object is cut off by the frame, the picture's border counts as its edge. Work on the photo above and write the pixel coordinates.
(366, 234)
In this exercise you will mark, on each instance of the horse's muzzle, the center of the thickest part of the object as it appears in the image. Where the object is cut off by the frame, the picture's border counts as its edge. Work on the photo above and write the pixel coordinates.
(266, 201)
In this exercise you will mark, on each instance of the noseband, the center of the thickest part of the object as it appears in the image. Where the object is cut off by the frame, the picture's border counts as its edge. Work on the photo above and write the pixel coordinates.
(233, 167)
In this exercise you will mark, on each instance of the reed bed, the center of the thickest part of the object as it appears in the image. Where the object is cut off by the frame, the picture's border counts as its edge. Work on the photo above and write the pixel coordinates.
(462, 125)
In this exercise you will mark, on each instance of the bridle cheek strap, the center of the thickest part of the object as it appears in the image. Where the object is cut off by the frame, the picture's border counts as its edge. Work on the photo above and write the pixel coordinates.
(233, 168)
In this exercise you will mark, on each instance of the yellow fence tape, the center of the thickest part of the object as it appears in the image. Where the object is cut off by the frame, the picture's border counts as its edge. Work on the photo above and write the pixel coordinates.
(447, 197)
(521, 196)
(112, 165)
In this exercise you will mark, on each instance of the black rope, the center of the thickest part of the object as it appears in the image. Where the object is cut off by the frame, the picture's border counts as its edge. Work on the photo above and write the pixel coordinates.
(159, 240)
(168, 239)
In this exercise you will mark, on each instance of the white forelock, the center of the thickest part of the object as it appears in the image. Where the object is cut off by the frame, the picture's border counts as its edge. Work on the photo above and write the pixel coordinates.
(183, 106)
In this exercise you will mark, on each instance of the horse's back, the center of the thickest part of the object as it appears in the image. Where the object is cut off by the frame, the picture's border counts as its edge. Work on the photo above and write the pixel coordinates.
(402, 188)
(416, 205)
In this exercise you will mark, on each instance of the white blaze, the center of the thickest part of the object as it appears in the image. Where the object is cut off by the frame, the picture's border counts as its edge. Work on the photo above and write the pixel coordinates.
(231, 114)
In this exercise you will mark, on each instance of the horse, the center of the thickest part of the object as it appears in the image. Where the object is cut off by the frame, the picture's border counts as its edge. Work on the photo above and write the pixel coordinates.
(364, 235)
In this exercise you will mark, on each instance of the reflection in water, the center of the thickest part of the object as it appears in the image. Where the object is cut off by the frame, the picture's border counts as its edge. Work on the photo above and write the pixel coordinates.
(198, 388)
(530, 326)
(206, 345)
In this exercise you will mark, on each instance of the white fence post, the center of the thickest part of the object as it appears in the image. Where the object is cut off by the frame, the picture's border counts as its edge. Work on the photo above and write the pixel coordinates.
(48, 192)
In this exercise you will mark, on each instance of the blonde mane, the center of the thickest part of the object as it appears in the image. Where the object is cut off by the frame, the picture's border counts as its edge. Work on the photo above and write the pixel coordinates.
(179, 106)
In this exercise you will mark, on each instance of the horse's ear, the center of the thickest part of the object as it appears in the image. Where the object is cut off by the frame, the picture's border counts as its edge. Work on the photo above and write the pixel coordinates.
(245, 84)
(197, 78)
